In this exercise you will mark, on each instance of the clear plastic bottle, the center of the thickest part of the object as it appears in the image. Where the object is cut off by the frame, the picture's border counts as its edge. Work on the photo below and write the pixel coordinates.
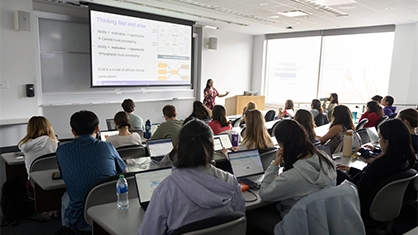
(122, 193)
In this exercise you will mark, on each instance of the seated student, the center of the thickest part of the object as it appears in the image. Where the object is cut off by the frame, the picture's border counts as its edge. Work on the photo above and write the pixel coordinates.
(333, 102)
(305, 118)
(374, 113)
(171, 127)
(342, 120)
(39, 140)
(410, 118)
(289, 111)
(195, 190)
(124, 137)
(219, 121)
(389, 110)
(256, 135)
(137, 123)
(319, 116)
(250, 106)
(200, 111)
(306, 170)
(397, 155)
(83, 162)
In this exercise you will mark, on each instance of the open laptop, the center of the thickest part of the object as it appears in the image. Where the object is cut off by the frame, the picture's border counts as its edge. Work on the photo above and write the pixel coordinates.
(157, 149)
(246, 163)
(225, 140)
(147, 181)
(105, 134)
(368, 136)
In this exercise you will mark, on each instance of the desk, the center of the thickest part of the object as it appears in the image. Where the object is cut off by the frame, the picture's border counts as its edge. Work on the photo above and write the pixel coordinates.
(109, 220)
(357, 163)
(322, 130)
(14, 167)
(48, 192)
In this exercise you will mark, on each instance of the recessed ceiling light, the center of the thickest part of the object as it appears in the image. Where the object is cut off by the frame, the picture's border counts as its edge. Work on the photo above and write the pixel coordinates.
(389, 8)
(263, 4)
(294, 13)
(348, 7)
(274, 16)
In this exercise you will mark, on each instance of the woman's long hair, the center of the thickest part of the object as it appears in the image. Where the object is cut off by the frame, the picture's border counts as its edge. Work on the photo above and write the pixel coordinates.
(256, 135)
(38, 126)
(399, 141)
(296, 144)
(305, 118)
(219, 114)
(342, 116)
(200, 111)
(374, 107)
(316, 104)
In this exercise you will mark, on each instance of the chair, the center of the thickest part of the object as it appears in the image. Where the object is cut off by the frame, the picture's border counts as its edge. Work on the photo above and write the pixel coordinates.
(140, 133)
(45, 162)
(321, 119)
(381, 121)
(133, 151)
(236, 122)
(361, 124)
(320, 213)
(270, 115)
(386, 204)
(104, 191)
(243, 132)
(110, 124)
(226, 224)
(267, 155)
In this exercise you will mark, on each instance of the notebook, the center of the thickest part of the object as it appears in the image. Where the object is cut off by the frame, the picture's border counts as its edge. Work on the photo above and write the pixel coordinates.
(157, 149)
(105, 134)
(217, 144)
(226, 142)
(147, 182)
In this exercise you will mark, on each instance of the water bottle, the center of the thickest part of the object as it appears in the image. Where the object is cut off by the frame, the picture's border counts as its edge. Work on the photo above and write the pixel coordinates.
(234, 136)
(147, 133)
(347, 143)
(122, 193)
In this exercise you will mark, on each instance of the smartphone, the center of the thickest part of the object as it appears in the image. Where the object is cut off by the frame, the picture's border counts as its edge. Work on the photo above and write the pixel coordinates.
(250, 183)
(56, 175)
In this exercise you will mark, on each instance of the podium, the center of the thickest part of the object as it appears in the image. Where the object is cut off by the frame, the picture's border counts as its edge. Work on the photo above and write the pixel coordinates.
(234, 105)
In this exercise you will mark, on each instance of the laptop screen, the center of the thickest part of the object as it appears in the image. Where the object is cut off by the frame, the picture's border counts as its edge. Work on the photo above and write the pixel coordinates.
(147, 181)
(226, 142)
(105, 134)
(161, 147)
(373, 135)
(246, 163)
(364, 136)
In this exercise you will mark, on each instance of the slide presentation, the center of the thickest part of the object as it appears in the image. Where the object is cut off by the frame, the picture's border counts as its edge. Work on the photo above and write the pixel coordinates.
(132, 51)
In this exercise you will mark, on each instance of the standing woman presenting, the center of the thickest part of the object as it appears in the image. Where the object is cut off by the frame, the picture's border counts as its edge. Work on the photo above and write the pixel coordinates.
(210, 94)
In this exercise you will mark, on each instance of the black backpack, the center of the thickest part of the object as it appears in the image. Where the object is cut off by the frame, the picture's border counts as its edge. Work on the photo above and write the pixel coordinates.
(15, 203)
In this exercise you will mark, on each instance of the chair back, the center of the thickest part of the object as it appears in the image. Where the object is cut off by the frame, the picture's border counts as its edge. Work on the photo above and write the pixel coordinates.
(104, 191)
(270, 115)
(227, 224)
(140, 132)
(243, 132)
(273, 128)
(267, 155)
(110, 124)
(133, 151)
(382, 120)
(321, 212)
(387, 202)
(236, 122)
(361, 124)
(45, 162)
(321, 119)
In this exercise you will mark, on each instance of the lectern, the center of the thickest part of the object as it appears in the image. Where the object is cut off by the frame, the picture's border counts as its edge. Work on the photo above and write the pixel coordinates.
(234, 105)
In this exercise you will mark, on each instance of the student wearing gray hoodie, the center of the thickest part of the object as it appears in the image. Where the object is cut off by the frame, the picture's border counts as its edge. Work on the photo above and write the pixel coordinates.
(306, 170)
(195, 190)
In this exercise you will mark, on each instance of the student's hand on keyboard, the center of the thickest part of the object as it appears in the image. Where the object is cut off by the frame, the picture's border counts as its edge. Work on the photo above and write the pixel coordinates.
(343, 167)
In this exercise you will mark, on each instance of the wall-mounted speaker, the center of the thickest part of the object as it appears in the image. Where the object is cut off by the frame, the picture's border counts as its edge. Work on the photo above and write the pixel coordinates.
(213, 43)
(22, 20)
(30, 90)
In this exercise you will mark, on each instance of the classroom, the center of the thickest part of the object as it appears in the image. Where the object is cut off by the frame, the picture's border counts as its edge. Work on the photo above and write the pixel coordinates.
(242, 59)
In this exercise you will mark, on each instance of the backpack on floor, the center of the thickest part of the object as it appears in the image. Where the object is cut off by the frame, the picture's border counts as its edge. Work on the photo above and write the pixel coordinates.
(15, 203)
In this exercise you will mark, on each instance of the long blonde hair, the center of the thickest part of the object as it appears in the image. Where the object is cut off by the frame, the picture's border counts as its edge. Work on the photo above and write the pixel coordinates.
(256, 135)
(38, 126)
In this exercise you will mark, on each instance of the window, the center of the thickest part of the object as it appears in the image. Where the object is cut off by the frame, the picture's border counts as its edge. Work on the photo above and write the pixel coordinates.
(355, 66)
(292, 69)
